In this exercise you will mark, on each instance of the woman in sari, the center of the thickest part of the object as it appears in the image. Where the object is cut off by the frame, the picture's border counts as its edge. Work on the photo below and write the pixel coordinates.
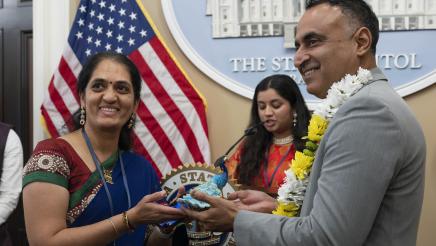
(87, 187)
(281, 116)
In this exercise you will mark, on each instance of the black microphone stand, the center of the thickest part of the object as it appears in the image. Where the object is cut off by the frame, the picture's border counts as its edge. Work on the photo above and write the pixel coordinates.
(247, 132)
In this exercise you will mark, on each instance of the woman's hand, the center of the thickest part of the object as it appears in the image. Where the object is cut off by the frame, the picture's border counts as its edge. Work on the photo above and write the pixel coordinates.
(150, 211)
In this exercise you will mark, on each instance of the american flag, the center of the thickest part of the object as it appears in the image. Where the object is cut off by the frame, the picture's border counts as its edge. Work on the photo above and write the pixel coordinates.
(171, 126)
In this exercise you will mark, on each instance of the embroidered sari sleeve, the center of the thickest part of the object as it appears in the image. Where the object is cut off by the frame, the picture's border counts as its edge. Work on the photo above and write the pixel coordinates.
(47, 164)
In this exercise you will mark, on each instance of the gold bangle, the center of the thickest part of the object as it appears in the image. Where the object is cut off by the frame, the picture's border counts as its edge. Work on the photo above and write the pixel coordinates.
(126, 222)
(113, 226)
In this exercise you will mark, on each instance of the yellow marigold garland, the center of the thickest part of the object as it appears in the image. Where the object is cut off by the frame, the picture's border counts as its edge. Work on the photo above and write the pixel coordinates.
(291, 192)
(302, 162)
(316, 129)
(289, 210)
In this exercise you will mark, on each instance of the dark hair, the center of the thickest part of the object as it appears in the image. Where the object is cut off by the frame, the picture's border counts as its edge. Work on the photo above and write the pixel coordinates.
(125, 140)
(255, 146)
(357, 10)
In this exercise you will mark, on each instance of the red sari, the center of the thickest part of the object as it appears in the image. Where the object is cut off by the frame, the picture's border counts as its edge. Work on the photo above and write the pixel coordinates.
(270, 176)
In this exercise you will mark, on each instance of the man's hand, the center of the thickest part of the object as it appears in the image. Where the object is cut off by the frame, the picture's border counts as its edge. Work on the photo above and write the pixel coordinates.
(219, 217)
(252, 200)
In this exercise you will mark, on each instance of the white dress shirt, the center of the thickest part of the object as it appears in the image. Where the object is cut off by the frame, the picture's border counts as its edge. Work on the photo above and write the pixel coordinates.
(11, 178)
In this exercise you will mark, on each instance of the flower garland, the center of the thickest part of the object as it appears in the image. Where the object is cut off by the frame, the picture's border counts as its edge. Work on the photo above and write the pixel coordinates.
(291, 192)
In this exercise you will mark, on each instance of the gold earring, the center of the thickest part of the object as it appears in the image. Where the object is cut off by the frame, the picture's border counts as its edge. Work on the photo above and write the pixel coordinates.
(131, 121)
(294, 121)
(82, 116)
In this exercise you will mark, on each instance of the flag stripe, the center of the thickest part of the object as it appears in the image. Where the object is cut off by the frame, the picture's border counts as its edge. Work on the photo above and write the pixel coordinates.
(171, 123)
(140, 149)
(183, 104)
(158, 133)
(143, 142)
(159, 114)
(59, 104)
(67, 95)
(69, 78)
(167, 103)
(50, 126)
(55, 117)
(72, 61)
(181, 81)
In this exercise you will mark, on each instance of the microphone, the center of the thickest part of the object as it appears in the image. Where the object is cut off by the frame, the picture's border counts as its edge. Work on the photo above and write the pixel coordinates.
(247, 132)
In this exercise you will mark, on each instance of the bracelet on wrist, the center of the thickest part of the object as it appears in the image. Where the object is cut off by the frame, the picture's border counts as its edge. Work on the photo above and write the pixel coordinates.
(113, 226)
(129, 226)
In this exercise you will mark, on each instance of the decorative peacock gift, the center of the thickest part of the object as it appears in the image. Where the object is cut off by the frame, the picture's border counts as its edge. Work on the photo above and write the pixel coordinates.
(213, 187)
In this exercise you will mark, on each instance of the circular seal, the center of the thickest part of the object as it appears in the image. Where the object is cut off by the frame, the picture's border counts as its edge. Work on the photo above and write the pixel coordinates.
(189, 176)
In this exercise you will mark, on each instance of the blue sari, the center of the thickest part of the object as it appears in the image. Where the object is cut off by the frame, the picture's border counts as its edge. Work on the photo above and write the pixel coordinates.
(89, 202)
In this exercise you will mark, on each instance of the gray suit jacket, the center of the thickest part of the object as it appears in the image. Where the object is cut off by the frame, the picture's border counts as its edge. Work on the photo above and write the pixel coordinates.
(367, 181)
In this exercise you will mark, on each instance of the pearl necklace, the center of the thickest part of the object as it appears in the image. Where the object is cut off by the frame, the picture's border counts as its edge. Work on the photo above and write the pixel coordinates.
(283, 141)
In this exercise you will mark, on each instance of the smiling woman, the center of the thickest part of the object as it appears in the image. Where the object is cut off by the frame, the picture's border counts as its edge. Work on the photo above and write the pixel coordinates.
(108, 98)
(112, 81)
(260, 161)
(87, 187)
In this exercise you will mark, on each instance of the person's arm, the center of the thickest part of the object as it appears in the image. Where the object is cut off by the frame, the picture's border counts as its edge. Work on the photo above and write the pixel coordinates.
(254, 201)
(10, 182)
(46, 200)
(358, 161)
(45, 208)
(173, 235)
(359, 156)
